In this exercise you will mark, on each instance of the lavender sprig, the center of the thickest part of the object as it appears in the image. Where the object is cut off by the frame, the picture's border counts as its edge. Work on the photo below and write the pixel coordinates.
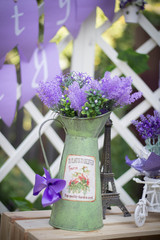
(119, 90)
(50, 93)
(149, 126)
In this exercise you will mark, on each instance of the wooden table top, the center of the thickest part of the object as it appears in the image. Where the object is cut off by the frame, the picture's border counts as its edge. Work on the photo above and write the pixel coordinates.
(34, 225)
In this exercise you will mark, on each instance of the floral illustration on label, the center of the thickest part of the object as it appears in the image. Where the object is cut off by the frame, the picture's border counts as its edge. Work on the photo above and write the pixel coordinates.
(79, 182)
(80, 177)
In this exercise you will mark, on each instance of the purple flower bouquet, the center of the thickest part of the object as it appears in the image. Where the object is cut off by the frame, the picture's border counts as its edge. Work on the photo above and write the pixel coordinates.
(149, 129)
(77, 94)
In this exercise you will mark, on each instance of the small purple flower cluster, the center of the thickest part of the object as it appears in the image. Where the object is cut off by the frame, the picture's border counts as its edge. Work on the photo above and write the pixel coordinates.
(149, 126)
(139, 3)
(119, 90)
(71, 93)
(77, 96)
(50, 93)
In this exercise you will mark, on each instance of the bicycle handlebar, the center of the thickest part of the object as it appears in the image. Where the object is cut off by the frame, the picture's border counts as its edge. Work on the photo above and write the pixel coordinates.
(144, 182)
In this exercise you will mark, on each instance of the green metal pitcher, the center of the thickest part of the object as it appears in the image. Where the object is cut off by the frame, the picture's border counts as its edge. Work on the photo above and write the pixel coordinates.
(80, 208)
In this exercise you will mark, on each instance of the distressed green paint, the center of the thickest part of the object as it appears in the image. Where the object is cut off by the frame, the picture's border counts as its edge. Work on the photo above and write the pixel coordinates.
(81, 139)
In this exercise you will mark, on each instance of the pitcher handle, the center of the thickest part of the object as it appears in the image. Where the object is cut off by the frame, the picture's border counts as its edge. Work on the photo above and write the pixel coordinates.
(41, 142)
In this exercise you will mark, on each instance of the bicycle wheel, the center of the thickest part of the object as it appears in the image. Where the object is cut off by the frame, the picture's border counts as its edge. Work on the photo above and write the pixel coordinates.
(139, 216)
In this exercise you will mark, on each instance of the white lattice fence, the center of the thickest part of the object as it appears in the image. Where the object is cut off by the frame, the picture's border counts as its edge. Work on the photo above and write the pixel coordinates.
(83, 60)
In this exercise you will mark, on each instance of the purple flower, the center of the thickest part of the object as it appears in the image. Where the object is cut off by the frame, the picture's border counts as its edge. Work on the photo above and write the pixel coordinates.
(53, 188)
(50, 93)
(149, 126)
(95, 84)
(119, 90)
(77, 96)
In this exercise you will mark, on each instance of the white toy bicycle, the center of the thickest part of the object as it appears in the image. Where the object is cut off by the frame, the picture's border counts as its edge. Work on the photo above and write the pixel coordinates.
(150, 201)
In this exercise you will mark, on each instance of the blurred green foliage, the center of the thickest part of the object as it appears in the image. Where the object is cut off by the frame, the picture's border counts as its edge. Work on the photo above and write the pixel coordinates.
(22, 204)
(137, 61)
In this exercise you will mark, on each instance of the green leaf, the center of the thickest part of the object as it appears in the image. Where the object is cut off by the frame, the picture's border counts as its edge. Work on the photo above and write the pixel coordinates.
(22, 204)
(137, 61)
(83, 112)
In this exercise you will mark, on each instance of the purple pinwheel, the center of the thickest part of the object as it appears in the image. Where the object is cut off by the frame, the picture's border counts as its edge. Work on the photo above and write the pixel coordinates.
(53, 188)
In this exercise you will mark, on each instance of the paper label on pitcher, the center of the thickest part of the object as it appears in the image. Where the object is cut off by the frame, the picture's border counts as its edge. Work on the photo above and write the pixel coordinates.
(80, 179)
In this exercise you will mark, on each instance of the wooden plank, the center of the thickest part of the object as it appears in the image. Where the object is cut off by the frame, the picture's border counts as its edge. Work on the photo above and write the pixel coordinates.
(23, 227)
(19, 223)
(34, 225)
(4, 230)
(8, 219)
(16, 225)
(112, 230)
(117, 211)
